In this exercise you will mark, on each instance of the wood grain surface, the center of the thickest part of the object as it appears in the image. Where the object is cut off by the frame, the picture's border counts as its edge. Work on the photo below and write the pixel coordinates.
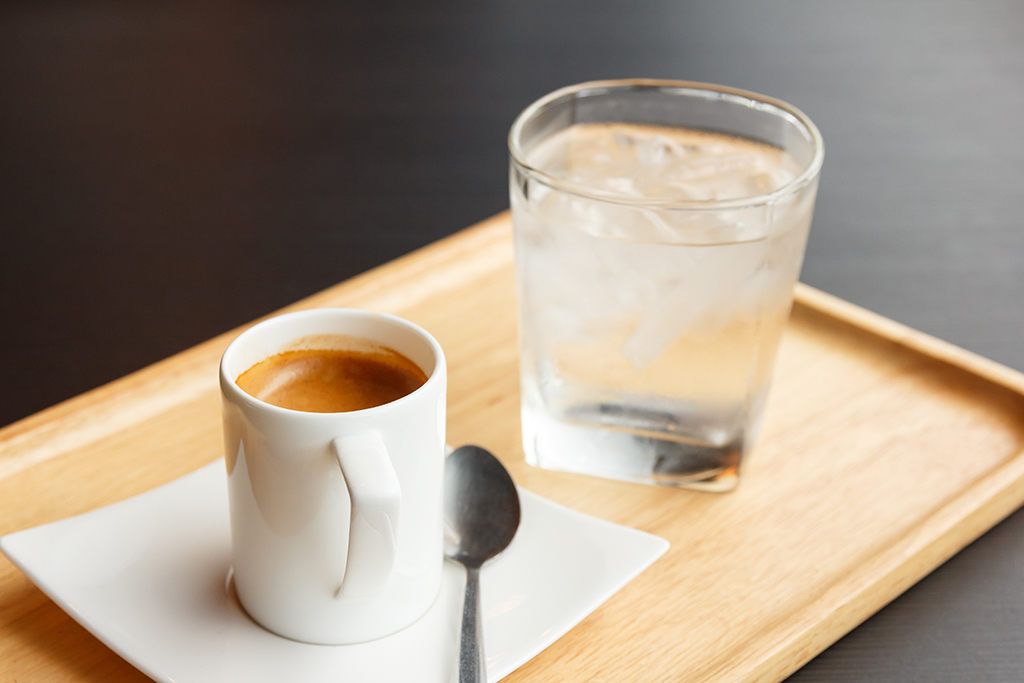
(884, 451)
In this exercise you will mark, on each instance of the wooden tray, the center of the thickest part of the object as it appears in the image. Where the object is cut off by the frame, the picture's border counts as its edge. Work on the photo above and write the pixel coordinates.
(884, 452)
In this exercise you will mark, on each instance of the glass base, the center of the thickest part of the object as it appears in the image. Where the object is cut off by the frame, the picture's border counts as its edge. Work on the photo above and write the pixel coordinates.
(634, 455)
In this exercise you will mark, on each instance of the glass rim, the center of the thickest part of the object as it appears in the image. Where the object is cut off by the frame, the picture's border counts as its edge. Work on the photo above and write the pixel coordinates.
(746, 98)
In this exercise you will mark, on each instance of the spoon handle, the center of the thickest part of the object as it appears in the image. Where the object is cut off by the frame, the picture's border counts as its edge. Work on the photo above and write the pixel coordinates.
(471, 641)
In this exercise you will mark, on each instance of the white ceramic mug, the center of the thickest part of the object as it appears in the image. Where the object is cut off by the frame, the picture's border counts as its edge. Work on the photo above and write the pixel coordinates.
(336, 518)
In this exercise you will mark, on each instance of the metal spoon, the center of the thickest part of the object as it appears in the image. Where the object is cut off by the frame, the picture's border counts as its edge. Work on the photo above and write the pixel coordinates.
(481, 515)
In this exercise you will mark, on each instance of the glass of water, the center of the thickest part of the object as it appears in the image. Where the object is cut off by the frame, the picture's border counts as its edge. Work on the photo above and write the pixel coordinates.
(660, 228)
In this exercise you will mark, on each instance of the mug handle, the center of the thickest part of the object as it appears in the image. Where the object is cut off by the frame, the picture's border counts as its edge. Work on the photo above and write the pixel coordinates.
(376, 500)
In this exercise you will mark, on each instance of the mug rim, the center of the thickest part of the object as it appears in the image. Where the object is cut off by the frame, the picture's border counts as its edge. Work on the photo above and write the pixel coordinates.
(230, 388)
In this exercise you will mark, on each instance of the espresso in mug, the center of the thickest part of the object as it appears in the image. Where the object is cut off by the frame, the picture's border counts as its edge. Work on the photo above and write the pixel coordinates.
(332, 374)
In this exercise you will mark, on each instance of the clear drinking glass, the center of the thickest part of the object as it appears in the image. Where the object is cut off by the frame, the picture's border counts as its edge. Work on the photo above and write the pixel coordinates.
(660, 228)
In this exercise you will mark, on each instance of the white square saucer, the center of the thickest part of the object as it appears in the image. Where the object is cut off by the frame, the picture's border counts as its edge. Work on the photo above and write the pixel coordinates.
(148, 577)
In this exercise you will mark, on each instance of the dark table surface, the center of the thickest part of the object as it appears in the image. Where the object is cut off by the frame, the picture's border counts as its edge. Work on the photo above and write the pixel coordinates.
(169, 171)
